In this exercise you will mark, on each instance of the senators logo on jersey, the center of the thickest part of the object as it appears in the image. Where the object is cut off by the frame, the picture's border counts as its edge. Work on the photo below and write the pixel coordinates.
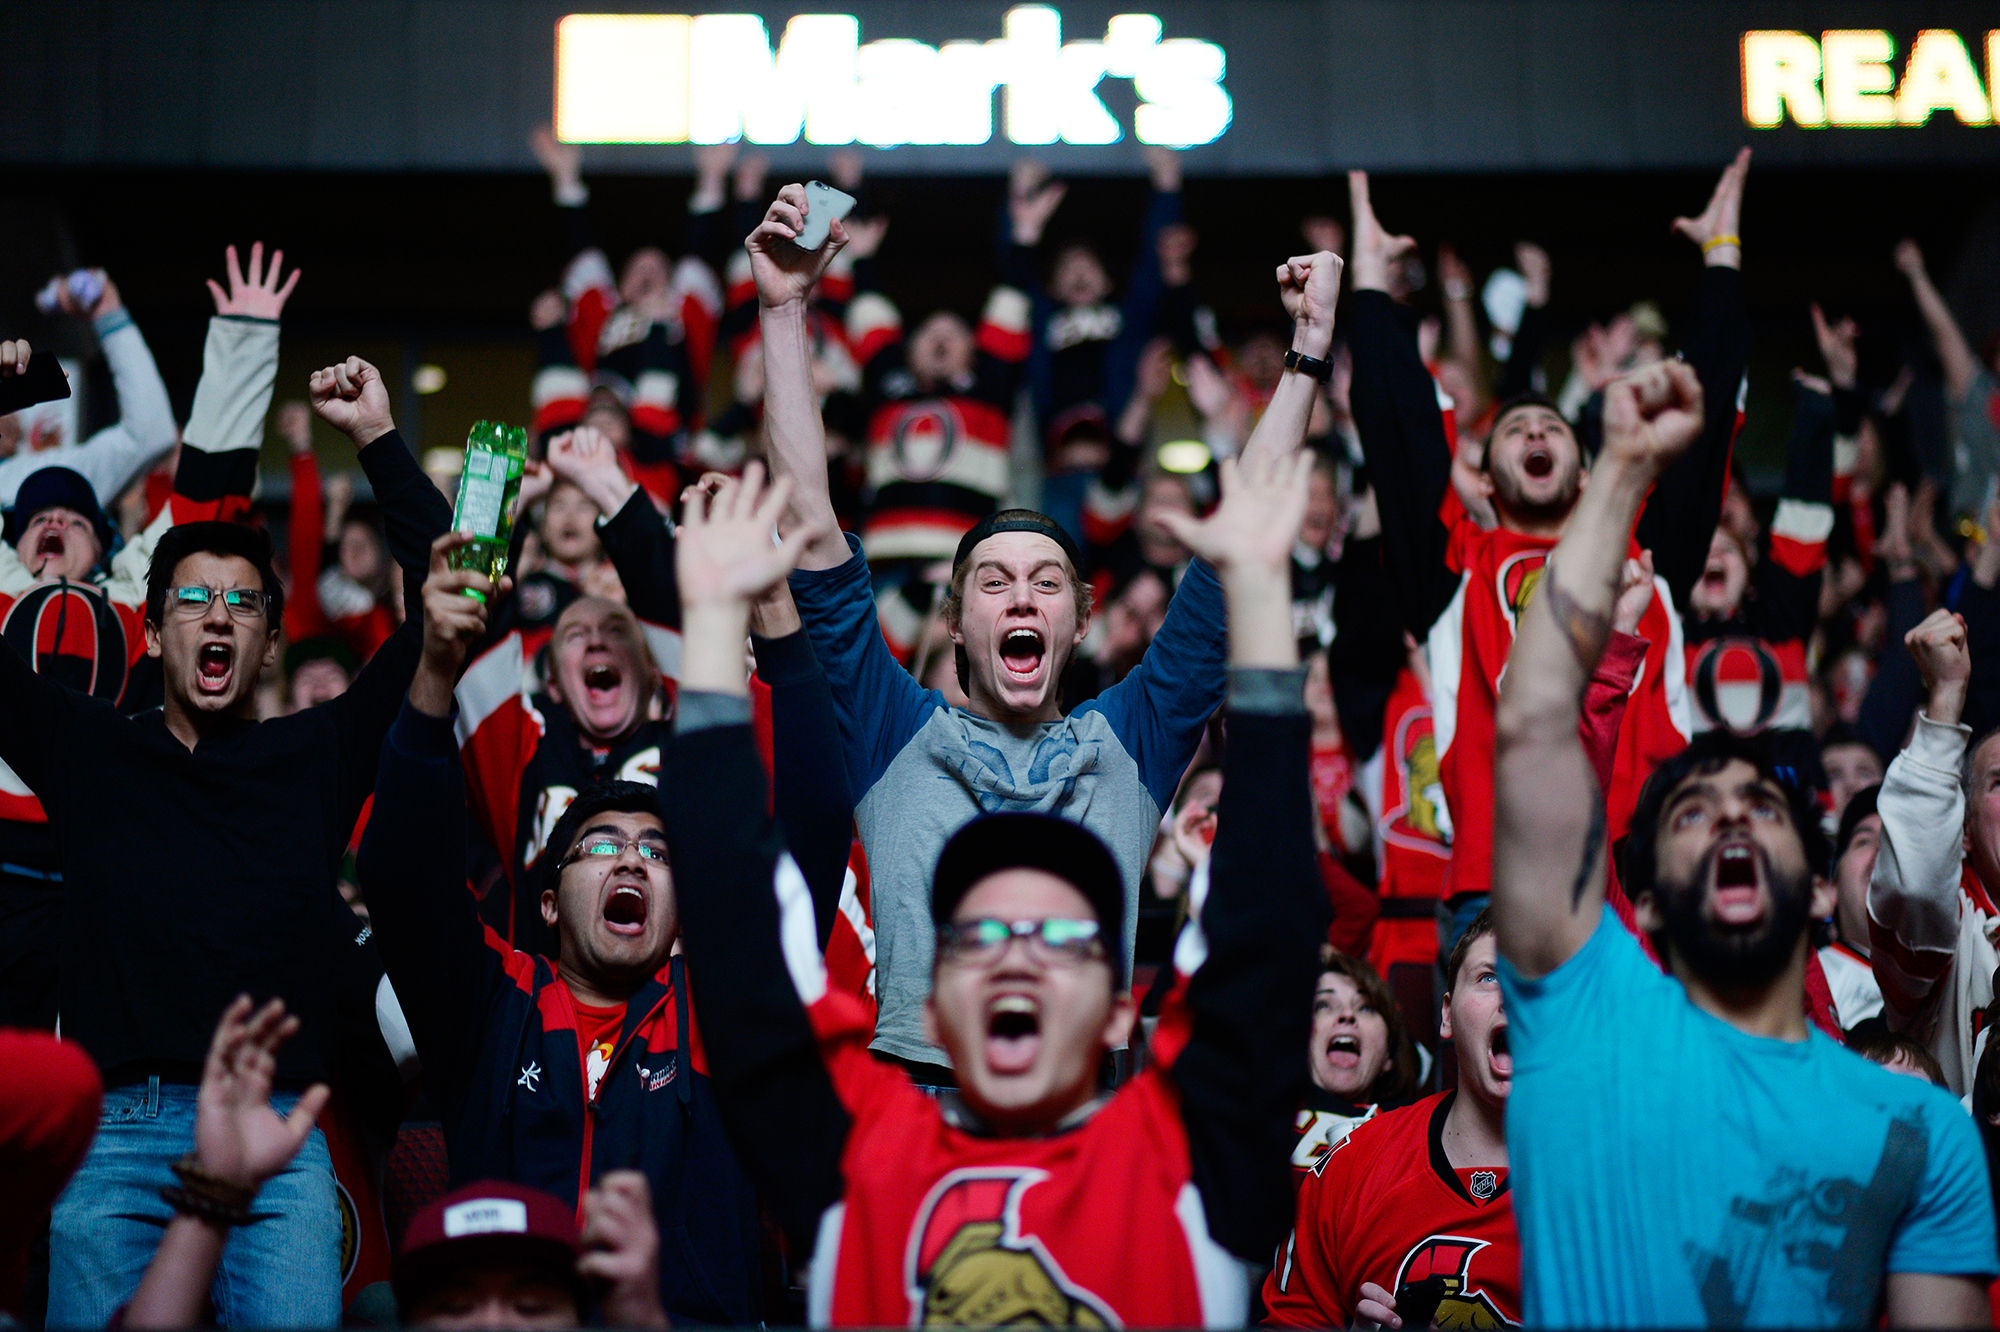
(968, 1264)
(1519, 576)
(71, 634)
(1433, 1288)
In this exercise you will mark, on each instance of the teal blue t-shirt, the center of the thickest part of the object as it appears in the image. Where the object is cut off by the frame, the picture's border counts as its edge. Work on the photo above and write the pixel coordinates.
(1669, 1170)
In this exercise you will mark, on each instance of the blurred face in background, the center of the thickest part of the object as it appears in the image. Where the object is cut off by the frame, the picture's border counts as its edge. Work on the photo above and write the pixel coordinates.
(569, 532)
(645, 279)
(1322, 509)
(1157, 546)
(1719, 591)
(1080, 278)
(318, 681)
(940, 351)
(1849, 768)
(362, 557)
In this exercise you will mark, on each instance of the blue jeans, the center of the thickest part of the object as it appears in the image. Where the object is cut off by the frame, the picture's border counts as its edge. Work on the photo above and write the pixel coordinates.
(281, 1270)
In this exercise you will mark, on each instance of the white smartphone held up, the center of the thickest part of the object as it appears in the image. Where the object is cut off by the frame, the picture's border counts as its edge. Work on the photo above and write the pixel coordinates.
(824, 206)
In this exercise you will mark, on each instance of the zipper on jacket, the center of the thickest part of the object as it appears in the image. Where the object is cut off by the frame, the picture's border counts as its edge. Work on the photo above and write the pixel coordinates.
(590, 1092)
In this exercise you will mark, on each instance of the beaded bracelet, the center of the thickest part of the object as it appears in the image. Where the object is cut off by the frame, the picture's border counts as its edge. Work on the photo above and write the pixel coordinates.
(208, 1196)
(1714, 242)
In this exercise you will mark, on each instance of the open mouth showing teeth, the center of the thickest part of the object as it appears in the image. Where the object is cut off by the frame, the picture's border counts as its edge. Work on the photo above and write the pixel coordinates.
(213, 662)
(1021, 652)
(1344, 1051)
(1736, 867)
(1538, 463)
(1013, 1033)
(51, 544)
(625, 910)
(602, 678)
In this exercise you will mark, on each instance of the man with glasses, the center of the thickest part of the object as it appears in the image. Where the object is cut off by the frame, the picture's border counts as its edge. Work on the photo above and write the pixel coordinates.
(199, 851)
(553, 1066)
(1029, 1193)
(73, 600)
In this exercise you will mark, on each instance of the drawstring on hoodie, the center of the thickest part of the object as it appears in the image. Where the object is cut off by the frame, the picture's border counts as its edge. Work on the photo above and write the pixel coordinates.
(683, 1065)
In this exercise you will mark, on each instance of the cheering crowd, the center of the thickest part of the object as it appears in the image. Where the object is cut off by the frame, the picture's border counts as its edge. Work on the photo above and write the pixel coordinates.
(899, 846)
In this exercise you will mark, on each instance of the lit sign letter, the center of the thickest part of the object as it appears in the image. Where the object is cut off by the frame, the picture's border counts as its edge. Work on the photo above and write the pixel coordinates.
(1857, 77)
(737, 90)
(714, 78)
(1780, 71)
(1940, 77)
(1052, 88)
(636, 88)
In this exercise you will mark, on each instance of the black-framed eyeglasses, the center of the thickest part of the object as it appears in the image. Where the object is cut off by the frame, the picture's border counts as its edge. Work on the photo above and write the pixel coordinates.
(604, 846)
(244, 603)
(980, 943)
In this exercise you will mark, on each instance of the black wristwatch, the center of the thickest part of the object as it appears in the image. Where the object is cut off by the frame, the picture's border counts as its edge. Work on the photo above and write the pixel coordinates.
(1309, 365)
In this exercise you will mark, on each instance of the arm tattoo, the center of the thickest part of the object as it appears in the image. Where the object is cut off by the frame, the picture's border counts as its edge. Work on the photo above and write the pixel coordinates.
(1593, 841)
(1585, 630)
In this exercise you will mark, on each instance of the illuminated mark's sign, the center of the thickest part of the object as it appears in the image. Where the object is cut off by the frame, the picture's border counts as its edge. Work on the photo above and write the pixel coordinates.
(713, 78)
(1848, 77)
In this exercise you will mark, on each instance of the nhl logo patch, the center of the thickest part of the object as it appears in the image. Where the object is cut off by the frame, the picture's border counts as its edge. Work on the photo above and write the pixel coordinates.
(1484, 1184)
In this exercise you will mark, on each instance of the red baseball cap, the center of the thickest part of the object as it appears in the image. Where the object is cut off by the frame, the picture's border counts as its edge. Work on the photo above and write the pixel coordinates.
(489, 1219)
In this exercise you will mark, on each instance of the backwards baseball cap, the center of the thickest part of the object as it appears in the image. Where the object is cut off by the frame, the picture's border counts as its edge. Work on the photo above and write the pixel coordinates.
(1043, 842)
(57, 488)
(488, 1221)
(1017, 520)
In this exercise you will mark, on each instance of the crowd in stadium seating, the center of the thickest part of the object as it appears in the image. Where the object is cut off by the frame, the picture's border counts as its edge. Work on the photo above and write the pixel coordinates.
(1038, 814)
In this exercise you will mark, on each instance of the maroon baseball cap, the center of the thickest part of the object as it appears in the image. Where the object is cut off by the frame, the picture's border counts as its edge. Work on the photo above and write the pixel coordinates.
(486, 1221)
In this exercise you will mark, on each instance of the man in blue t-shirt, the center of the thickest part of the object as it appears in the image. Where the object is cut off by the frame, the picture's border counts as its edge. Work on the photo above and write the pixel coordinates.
(920, 769)
(1685, 1150)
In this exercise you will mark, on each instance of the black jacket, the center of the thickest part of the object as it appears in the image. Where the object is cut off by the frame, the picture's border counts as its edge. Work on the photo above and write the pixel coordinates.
(193, 876)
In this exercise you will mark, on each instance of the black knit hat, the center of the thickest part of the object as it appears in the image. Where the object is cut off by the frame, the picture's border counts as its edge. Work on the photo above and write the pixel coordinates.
(1859, 806)
(58, 488)
(1043, 842)
(1017, 520)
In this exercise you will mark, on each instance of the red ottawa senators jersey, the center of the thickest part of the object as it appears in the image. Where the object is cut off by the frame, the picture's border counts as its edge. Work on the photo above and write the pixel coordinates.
(1386, 1206)
(1098, 1225)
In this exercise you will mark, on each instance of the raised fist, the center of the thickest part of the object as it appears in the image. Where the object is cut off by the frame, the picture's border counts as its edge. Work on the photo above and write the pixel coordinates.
(1652, 415)
(1309, 285)
(352, 398)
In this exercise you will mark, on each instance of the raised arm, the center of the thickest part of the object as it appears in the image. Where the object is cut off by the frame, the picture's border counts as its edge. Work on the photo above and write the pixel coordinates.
(809, 791)
(1398, 416)
(1960, 365)
(112, 457)
(1309, 285)
(1680, 517)
(752, 963)
(636, 537)
(785, 275)
(1913, 894)
(217, 467)
(1549, 850)
(1252, 951)
(411, 864)
(352, 398)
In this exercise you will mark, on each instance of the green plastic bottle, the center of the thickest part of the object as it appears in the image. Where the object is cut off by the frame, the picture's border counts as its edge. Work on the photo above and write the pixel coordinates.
(495, 456)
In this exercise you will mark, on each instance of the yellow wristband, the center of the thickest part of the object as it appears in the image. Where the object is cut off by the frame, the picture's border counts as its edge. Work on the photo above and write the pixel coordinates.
(1714, 241)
